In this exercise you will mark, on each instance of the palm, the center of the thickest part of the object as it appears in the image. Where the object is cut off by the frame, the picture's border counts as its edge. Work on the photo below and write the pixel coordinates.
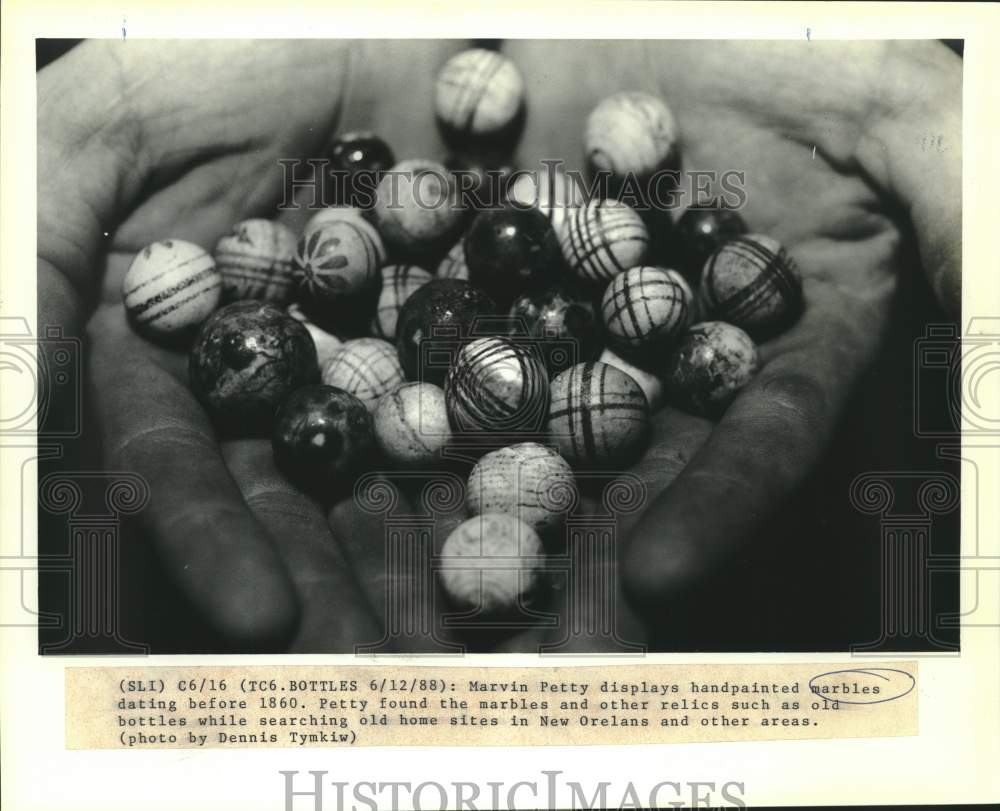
(216, 164)
(804, 186)
(220, 166)
(832, 222)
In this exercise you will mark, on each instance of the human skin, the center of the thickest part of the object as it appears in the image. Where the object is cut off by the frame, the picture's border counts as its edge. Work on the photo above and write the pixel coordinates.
(182, 139)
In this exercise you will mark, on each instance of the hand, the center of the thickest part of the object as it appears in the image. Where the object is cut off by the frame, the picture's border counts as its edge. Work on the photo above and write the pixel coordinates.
(183, 139)
(178, 154)
(833, 140)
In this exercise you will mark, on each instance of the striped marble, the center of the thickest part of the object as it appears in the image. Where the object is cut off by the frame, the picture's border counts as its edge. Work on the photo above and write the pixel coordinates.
(364, 367)
(496, 384)
(648, 381)
(478, 92)
(399, 282)
(752, 282)
(411, 424)
(171, 285)
(630, 132)
(454, 266)
(709, 366)
(527, 480)
(598, 416)
(256, 261)
(604, 238)
(646, 308)
(338, 259)
(492, 562)
(325, 216)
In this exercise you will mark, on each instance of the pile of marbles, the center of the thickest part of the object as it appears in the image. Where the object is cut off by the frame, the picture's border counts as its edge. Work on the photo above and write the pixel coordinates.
(526, 340)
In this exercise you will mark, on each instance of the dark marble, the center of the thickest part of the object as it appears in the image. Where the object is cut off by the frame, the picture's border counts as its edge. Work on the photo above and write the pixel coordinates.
(245, 359)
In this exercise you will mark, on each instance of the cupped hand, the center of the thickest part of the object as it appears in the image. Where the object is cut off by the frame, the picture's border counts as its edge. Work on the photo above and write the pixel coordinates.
(183, 140)
(850, 154)
(141, 141)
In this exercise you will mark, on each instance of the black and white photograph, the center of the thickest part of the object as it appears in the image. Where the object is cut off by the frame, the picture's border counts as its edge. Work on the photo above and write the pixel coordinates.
(502, 345)
(498, 406)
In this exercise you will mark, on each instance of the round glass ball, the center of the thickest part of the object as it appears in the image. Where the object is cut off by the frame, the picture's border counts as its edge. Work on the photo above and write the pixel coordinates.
(709, 366)
(434, 323)
(496, 384)
(246, 358)
(631, 133)
(599, 416)
(364, 367)
(645, 309)
(492, 562)
(527, 480)
(360, 151)
(479, 99)
(416, 209)
(256, 260)
(321, 433)
(511, 250)
(340, 258)
(352, 155)
(753, 283)
(563, 320)
(699, 232)
(602, 239)
(171, 287)
(411, 425)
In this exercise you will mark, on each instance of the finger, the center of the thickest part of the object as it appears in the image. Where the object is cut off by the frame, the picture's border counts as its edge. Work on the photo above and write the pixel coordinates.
(675, 439)
(211, 148)
(608, 622)
(61, 312)
(335, 614)
(362, 536)
(767, 442)
(208, 541)
(173, 139)
(386, 548)
(919, 136)
(87, 150)
(589, 609)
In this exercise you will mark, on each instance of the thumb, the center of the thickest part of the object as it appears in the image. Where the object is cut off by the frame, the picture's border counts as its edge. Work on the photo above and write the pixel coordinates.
(914, 152)
(89, 167)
